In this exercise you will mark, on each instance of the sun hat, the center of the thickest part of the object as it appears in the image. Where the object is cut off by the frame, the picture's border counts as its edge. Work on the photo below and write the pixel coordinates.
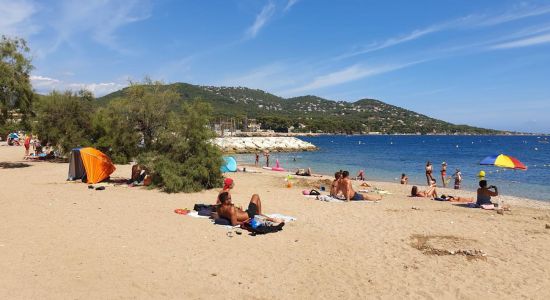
(481, 174)
(227, 182)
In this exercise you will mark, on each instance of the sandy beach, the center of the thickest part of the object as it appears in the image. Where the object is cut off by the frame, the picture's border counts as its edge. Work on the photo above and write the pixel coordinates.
(61, 240)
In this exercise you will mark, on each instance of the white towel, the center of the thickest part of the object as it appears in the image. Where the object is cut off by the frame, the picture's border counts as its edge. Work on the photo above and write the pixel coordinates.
(195, 214)
(284, 217)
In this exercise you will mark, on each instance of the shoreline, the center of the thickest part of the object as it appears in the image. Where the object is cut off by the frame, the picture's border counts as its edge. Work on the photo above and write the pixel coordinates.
(514, 200)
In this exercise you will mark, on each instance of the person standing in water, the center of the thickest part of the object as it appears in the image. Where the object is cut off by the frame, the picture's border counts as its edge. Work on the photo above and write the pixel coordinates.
(458, 179)
(444, 174)
(429, 170)
(266, 158)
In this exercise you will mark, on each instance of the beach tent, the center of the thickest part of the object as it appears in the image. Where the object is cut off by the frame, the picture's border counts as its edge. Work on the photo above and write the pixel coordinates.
(229, 165)
(90, 165)
(76, 168)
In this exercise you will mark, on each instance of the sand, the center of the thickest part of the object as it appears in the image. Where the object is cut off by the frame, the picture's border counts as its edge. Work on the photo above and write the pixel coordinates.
(60, 240)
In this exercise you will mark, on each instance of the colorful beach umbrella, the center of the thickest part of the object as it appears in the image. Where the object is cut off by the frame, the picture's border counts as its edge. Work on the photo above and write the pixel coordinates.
(503, 161)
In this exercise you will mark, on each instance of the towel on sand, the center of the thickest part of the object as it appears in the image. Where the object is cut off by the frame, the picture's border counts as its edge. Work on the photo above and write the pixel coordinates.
(283, 217)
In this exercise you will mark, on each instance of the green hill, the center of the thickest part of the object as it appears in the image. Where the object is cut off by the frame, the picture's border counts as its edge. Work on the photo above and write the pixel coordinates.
(311, 113)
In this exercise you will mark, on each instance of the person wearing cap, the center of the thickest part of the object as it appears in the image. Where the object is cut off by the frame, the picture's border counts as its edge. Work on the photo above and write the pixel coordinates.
(458, 178)
(228, 184)
(444, 173)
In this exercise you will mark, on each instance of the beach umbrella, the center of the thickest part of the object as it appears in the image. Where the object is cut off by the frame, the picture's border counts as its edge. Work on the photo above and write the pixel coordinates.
(503, 161)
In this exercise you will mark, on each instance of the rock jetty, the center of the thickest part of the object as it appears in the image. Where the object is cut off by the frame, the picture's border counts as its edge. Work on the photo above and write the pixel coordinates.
(253, 144)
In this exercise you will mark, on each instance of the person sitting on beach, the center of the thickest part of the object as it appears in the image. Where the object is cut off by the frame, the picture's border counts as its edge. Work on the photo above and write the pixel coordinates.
(236, 215)
(303, 172)
(345, 186)
(228, 184)
(484, 193)
(404, 179)
(335, 184)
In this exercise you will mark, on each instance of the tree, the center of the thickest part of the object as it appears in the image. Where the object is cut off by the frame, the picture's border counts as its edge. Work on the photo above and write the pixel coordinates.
(16, 94)
(64, 119)
(183, 158)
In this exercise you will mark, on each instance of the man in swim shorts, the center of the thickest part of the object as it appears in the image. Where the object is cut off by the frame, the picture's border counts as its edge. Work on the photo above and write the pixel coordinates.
(345, 186)
(237, 216)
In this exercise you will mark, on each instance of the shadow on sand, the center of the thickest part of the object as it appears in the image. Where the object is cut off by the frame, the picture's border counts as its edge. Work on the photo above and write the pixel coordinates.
(13, 165)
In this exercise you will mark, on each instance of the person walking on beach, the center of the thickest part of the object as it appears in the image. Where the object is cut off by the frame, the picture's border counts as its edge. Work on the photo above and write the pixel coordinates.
(429, 170)
(257, 162)
(458, 179)
(444, 174)
(27, 144)
(361, 175)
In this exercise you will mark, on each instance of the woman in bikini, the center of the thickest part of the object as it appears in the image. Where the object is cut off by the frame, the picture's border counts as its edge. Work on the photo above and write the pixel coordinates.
(429, 170)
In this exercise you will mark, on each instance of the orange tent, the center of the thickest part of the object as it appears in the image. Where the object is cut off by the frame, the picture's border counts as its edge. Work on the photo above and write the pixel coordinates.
(98, 166)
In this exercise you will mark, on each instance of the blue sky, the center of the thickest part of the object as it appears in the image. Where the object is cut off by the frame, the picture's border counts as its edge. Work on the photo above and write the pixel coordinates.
(483, 63)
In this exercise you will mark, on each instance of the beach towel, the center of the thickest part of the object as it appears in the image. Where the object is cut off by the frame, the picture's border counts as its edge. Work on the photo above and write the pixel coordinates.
(283, 217)
(328, 198)
(195, 214)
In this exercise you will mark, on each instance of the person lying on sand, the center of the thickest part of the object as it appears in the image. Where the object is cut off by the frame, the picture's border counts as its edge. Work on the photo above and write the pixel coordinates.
(345, 186)
(236, 215)
(455, 199)
(431, 192)
(302, 172)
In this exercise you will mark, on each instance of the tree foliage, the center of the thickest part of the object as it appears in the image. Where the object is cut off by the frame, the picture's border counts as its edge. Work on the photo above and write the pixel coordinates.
(64, 119)
(182, 158)
(16, 94)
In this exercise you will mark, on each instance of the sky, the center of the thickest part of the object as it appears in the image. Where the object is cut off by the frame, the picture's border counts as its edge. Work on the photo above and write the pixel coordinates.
(481, 63)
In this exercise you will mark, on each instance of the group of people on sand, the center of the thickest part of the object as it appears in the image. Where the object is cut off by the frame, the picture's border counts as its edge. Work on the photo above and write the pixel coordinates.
(342, 188)
(444, 178)
(483, 199)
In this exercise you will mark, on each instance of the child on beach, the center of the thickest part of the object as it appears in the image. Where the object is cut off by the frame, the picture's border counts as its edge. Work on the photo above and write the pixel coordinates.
(404, 179)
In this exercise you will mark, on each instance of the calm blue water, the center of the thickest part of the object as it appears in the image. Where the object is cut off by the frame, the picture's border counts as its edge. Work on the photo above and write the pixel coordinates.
(384, 158)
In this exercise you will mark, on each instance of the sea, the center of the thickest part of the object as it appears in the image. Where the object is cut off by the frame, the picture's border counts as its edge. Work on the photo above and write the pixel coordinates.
(386, 157)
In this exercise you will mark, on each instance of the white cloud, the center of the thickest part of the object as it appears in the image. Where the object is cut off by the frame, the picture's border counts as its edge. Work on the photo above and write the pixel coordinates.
(45, 84)
(391, 42)
(100, 19)
(530, 41)
(467, 22)
(261, 20)
(290, 4)
(15, 18)
(348, 74)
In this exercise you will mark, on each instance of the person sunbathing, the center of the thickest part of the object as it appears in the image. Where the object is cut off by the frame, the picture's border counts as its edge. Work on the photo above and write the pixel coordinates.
(431, 192)
(302, 172)
(236, 215)
(454, 199)
(345, 186)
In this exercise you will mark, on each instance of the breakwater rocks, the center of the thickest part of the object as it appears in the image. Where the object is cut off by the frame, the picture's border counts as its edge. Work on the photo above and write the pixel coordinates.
(254, 144)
